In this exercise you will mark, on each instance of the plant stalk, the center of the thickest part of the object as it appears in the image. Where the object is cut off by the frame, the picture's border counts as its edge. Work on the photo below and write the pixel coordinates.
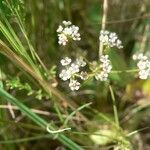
(114, 106)
(104, 18)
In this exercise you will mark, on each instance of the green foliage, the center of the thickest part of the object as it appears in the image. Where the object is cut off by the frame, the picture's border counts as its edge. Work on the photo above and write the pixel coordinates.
(28, 39)
(16, 84)
(38, 120)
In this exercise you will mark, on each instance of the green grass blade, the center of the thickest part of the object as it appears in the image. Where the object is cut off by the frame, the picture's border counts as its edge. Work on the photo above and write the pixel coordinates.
(38, 120)
(26, 139)
(74, 112)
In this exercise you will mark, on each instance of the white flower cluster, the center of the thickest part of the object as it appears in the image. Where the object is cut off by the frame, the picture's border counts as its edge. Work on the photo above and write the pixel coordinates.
(106, 68)
(143, 65)
(72, 71)
(67, 31)
(110, 39)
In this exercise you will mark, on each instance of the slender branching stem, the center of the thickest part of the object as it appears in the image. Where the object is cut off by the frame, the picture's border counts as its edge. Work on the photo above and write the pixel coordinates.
(5, 50)
(125, 71)
(104, 18)
(114, 106)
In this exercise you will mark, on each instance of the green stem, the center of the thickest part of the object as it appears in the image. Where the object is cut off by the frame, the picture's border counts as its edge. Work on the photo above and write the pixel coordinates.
(1, 78)
(126, 71)
(114, 106)
(74, 112)
(25, 139)
(91, 75)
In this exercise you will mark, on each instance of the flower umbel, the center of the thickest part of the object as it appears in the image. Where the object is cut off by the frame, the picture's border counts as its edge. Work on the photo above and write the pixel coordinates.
(74, 85)
(66, 32)
(72, 72)
(105, 68)
(65, 61)
(110, 39)
(143, 65)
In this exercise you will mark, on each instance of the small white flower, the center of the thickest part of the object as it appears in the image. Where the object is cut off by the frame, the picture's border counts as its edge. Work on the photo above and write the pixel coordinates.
(142, 64)
(62, 39)
(74, 85)
(113, 35)
(75, 35)
(66, 23)
(143, 74)
(106, 68)
(102, 76)
(60, 28)
(74, 68)
(134, 57)
(65, 74)
(140, 56)
(104, 58)
(80, 62)
(65, 61)
(68, 31)
(84, 75)
(119, 44)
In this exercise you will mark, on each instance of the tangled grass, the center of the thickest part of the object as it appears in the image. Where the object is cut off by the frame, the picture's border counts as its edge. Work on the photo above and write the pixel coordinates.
(103, 100)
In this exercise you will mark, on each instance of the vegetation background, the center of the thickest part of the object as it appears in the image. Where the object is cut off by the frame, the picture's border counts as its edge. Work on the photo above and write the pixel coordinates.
(28, 28)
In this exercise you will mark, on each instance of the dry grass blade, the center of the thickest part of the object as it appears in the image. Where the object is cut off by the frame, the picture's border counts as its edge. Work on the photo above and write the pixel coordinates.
(4, 49)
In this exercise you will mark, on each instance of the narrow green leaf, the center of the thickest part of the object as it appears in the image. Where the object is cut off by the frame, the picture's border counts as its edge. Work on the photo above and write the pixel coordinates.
(38, 120)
